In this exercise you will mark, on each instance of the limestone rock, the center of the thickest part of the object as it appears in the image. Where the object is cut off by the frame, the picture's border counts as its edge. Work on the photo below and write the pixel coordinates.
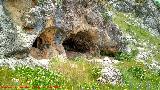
(85, 17)
(110, 75)
(147, 10)
(45, 30)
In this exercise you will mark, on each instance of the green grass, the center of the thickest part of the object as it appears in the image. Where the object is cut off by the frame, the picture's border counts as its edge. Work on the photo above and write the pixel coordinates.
(136, 75)
(71, 75)
(141, 35)
(25, 76)
(76, 74)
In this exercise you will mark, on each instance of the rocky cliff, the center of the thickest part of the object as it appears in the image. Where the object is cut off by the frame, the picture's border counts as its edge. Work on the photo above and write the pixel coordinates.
(45, 29)
(146, 11)
(36, 32)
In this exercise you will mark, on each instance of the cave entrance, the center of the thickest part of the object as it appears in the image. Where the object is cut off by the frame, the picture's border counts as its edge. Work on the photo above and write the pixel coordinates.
(81, 42)
(36, 42)
(43, 46)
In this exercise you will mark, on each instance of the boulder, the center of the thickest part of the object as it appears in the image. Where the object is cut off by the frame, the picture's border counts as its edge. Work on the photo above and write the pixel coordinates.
(110, 75)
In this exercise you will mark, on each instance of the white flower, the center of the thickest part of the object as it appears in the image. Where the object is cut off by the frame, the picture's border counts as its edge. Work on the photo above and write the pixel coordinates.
(15, 80)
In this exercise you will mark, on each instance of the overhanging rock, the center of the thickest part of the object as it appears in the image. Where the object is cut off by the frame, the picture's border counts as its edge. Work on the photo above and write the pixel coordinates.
(48, 30)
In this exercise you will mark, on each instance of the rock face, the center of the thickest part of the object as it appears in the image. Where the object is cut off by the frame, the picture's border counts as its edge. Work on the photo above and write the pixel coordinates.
(85, 27)
(9, 35)
(43, 30)
(23, 25)
(147, 10)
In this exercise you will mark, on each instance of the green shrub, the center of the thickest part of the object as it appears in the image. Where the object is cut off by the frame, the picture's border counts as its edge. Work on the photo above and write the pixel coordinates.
(126, 56)
(157, 2)
(123, 56)
(137, 72)
(90, 86)
(158, 72)
(106, 16)
(96, 72)
(39, 76)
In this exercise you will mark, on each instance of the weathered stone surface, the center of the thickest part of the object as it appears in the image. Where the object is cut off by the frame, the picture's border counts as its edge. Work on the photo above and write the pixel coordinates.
(147, 10)
(48, 30)
(85, 16)
(9, 41)
(33, 22)
(28, 61)
(110, 75)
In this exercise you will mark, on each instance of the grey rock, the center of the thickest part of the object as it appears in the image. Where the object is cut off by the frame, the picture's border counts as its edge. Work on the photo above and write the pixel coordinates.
(147, 11)
(28, 61)
(110, 75)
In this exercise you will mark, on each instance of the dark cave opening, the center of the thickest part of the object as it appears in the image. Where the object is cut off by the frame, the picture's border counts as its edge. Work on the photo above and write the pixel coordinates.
(80, 42)
(37, 43)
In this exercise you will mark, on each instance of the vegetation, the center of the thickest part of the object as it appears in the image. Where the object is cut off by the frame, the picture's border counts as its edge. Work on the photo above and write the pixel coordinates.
(79, 74)
(141, 35)
(33, 78)
(71, 75)
(138, 76)
(121, 56)
(157, 2)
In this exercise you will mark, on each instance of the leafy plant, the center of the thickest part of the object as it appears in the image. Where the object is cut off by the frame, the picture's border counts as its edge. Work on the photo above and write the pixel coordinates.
(137, 72)
(126, 56)
(158, 72)
(90, 86)
(123, 56)
(96, 72)
(106, 16)
(157, 2)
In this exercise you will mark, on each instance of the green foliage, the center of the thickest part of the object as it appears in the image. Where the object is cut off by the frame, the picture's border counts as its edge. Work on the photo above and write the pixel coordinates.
(137, 72)
(33, 78)
(141, 35)
(39, 76)
(78, 58)
(90, 86)
(5, 75)
(140, 1)
(158, 72)
(96, 72)
(123, 56)
(157, 2)
(126, 56)
(137, 76)
(106, 16)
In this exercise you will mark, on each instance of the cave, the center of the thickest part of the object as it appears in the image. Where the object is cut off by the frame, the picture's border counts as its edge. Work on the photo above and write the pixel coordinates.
(43, 47)
(35, 43)
(80, 42)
